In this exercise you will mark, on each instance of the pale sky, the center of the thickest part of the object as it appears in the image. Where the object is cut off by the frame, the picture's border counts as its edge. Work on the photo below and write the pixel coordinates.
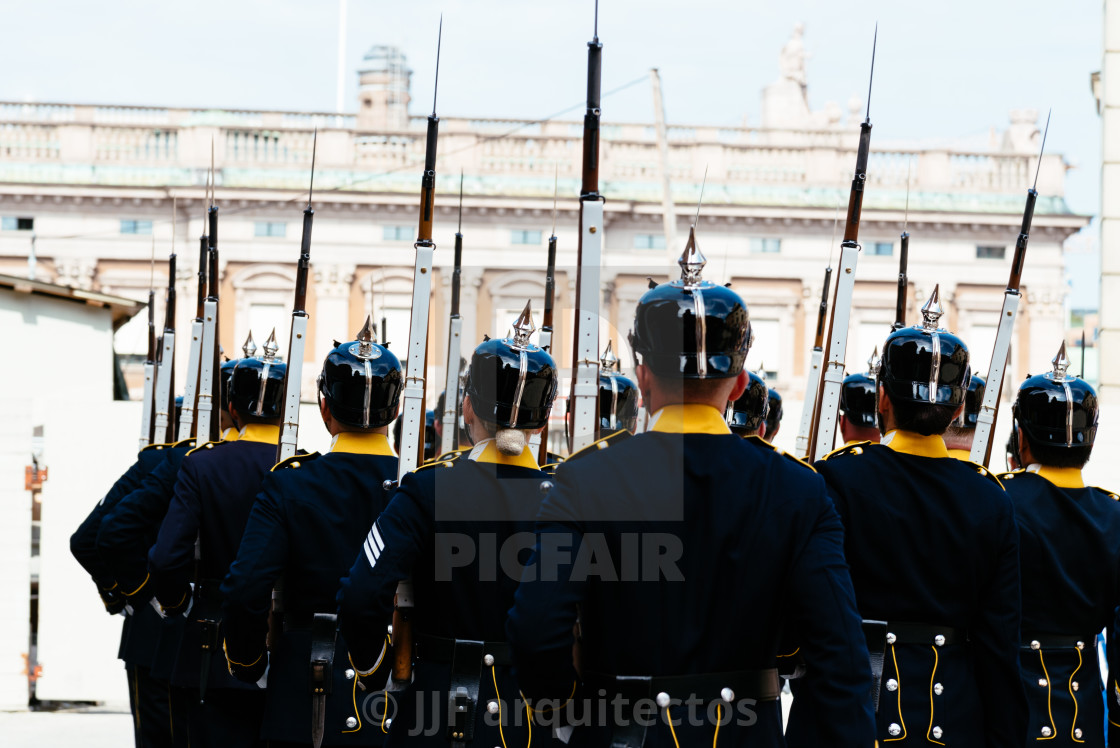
(944, 70)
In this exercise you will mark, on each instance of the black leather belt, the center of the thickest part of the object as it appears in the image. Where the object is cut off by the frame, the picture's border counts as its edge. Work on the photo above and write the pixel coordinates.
(667, 690)
(442, 649)
(925, 633)
(1040, 640)
(468, 659)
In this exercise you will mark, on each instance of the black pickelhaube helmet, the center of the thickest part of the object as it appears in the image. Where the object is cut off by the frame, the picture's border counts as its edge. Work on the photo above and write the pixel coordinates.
(745, 415)
(361, 382)
(775, 413)
(973, 399)
(1057, 409)
(692, 328)
(618, 396)
(256, 384)
(858, 400)
(512, 382)
(249, 348)
(925, 363)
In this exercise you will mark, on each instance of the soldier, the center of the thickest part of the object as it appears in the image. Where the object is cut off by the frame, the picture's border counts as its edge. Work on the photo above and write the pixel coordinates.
(958, 437)
(747, 415)
(1070, 563)
(148, 699)
(618, 409)
(657, 545)
(214, 492)
(457, 528)
(858, 406)
(773, 414)
(464, 438)
(933, 550)
(306, 528)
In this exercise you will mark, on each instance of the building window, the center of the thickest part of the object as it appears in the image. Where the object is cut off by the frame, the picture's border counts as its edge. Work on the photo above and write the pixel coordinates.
(397, 233)
(768, 246)
(136, 227)
(274, 229)
(11, 223)
(990, 253)
(525, 236)
(883, 249)
(649, 241)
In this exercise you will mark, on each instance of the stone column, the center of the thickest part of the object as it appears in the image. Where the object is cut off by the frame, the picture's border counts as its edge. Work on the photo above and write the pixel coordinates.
(332, 315)
(469, 283)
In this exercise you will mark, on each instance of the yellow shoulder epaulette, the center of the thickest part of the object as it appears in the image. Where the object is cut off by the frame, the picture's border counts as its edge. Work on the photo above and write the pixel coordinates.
(207, 445)
(437, 463)
(856, 448)
(184, 443)
(595, 446)
(294, 461)
(451, 456)
(156, 447)
(1005, 476)
(984, 471)
(759, 441)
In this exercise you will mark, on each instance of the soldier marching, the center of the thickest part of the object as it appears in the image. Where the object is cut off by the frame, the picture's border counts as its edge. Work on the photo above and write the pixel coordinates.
(644, 590)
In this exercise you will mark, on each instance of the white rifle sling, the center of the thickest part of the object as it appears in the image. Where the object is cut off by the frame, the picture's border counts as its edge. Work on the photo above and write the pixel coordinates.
(164, 427)
(585, 393)
(985, 422)
(812, 385)
(449, 416)
(412, 399)
(190, 389)
(206, 371)
(289, 429)
(833, 372)
(146, 414)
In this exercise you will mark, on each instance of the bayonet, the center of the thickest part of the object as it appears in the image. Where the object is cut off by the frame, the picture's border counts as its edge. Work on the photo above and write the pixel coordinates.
(985, 422)
(297, 340)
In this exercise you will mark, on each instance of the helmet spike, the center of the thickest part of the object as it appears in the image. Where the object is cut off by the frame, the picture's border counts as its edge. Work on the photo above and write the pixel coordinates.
(524, 327)
(873, 362)
(932, 310)
(761, 370)
(609, 362)
(1061, 364)
(249, 347)
(270, 346)
(365, 340)
(692, 260)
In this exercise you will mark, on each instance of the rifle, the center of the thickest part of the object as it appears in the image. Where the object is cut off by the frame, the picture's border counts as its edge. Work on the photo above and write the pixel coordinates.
(812, 380)
(989, 409)
(165, 373)
(584, 400)
(450, 414)
(191, 389)
(903, 261)
(545, 340)
(209, 390)
(412, 399)
(823, 434)
(289, 428)
(150, 361)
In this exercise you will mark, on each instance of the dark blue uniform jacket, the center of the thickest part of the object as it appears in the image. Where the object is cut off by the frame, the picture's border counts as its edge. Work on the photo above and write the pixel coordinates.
(214, 493)
(1069, 541)
(308, 524)
(932, 540)
(449, 525)
(688, 550)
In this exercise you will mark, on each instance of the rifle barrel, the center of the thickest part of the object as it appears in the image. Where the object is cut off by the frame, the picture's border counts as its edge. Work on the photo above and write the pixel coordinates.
(202, 260)
(169, 316)
(456, 277)
(900, 298)
(550, 284)
(859, 181)
(590, 185)
(1021, 243)
(822, 312)
(428, 184)
(303, 267)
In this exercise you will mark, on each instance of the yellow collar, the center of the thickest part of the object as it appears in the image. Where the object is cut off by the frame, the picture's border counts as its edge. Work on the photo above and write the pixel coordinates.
(688, 418)
(961, 454)
(913, 443)
(487, 451)
(231, 435)
(1060, 477)
(359, 443)
(261, 432)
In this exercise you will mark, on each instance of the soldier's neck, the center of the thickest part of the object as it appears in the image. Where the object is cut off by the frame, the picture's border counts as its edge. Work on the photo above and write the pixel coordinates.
(1062, 477)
